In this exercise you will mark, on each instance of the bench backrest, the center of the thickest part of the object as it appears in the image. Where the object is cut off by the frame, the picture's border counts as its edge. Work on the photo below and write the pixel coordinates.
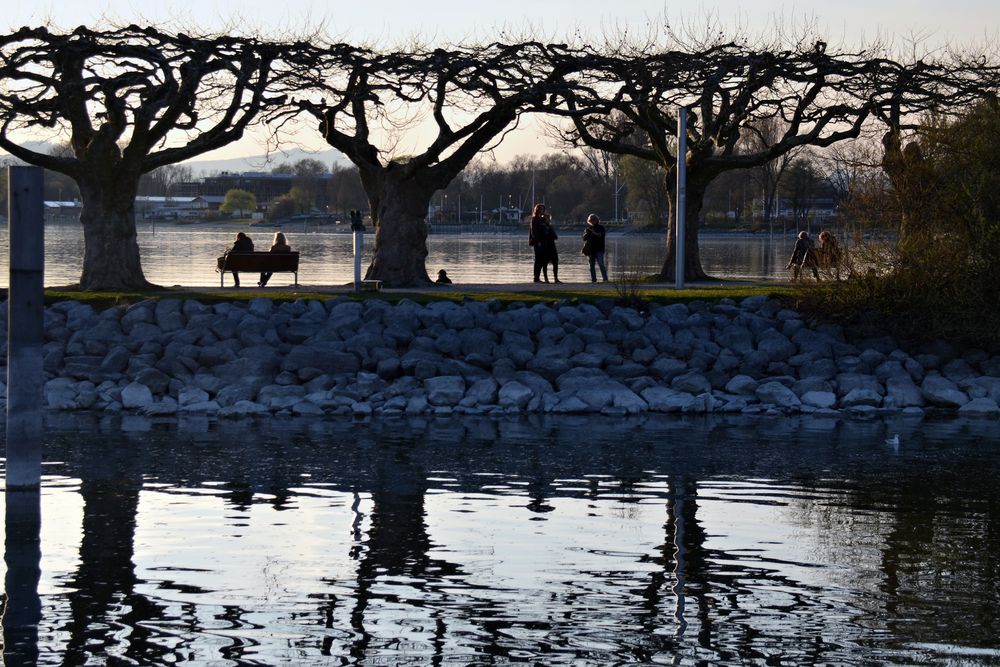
(259, 261)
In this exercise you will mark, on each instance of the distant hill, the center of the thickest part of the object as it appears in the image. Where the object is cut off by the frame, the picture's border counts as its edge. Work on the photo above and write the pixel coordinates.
(236, 165)
(264, 162)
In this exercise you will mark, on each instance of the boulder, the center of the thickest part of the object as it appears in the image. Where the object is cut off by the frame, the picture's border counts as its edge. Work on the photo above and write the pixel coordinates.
(481, 392)
(515, 394)
(742, 385)
(778, 395)
(691, 383)
(980, 407)
(861, 396)
(661, 399)
(901, 392)
(136, 396)
(819, 399)
(942, 392)
(445, 389)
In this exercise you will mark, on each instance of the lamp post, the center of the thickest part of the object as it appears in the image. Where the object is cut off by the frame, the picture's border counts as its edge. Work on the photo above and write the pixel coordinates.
(681, 197)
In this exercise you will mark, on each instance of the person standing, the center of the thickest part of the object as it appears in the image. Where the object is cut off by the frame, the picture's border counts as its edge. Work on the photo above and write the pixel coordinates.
(279, 244)
(829, 253)
(803, 256)
(593, 246)
(542, 237)
(242, 244)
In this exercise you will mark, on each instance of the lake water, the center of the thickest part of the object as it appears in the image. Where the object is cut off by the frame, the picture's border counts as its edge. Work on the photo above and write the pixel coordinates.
(571, 541)
(185, 255)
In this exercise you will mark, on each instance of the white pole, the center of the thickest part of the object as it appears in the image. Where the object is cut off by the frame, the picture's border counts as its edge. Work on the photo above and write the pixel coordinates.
(681, 197)
(359, 244)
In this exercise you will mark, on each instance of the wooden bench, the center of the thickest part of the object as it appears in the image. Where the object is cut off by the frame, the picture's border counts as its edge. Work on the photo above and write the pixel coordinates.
(258, 262)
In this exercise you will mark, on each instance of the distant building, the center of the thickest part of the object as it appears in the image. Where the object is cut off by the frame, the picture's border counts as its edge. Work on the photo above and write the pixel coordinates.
(265, 186)
(62, 210)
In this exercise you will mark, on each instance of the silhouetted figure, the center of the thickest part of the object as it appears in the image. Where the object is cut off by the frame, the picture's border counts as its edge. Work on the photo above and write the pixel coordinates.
(443, 278)
(803, 256)
(542, 237)
(829, 253)
(242, 244)
(593, 246)
(279, 244)
(356, 224)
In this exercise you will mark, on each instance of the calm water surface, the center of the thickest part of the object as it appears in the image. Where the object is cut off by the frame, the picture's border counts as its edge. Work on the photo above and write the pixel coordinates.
(185, 255)
(572, 541)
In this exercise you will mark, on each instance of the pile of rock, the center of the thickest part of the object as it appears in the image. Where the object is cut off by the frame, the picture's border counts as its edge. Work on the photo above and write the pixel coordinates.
(375, 358)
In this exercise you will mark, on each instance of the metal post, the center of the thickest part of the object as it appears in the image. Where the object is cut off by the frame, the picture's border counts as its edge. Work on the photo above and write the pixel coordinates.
(359, 245)
(25, 326)
(681, 197)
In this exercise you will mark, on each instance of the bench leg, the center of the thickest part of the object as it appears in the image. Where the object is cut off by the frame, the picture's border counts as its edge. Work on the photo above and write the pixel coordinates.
(296, 278)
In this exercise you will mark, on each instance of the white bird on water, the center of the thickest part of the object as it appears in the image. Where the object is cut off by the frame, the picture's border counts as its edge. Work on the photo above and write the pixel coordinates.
(893, 441)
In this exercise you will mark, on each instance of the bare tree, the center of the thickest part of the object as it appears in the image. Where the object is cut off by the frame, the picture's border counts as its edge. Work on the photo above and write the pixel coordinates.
(818, 97)
(367, 102)
(760, 136)
(131, 100)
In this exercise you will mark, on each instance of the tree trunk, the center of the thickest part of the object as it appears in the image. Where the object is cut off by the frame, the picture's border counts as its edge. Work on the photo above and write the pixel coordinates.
(111, 251)
(692, 259)
(399, 210)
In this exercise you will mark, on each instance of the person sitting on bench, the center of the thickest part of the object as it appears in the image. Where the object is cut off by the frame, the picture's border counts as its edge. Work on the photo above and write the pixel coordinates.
(242, 244)
(279, 244)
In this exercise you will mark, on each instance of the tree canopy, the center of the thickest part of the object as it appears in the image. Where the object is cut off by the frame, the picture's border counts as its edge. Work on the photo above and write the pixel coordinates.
(131, 100)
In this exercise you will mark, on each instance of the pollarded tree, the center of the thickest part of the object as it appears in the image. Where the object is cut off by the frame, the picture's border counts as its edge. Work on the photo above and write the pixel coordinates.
(367, 102)
(131, 100)
(818, 98)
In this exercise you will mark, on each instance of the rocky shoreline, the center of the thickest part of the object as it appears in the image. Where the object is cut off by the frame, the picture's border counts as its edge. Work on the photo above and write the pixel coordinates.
(361, 359)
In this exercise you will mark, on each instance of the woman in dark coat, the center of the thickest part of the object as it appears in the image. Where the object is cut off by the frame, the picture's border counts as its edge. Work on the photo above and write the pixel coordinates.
(593, 246)
(542, 237)
(279, 244)
(241, 244)
(803, 256)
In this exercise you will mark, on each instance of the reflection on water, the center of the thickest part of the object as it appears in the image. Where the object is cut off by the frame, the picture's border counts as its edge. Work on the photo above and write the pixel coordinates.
(544, 541)
(185, 255)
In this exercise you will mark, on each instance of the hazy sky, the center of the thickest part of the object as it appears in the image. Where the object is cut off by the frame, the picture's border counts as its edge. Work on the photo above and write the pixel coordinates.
(451, 19)
(389, 21)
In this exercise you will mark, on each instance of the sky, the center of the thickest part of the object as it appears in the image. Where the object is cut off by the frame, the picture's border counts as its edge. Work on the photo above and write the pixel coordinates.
(387, 22)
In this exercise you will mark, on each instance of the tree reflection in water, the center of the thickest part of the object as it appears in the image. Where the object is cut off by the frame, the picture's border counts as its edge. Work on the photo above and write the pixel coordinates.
(900, 555)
